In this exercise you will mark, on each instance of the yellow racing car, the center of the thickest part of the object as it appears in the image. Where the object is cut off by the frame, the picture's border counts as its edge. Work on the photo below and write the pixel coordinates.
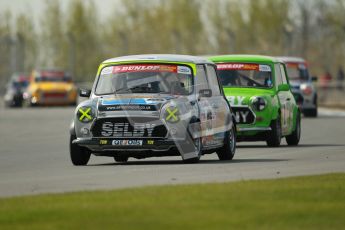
(50, 87)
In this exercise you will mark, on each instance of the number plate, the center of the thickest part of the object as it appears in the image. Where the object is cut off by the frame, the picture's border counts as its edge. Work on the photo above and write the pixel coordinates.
(244, 115)
(127, 142)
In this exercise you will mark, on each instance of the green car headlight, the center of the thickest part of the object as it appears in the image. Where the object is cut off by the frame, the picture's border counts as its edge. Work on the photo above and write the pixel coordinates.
(85, 114)
(172, 114)
(258, 103)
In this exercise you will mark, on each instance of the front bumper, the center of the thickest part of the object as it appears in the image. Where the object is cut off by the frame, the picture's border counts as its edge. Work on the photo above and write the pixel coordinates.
(49, 98)
(253, 129)
(106, 144)
(258, 122)
(304, 101)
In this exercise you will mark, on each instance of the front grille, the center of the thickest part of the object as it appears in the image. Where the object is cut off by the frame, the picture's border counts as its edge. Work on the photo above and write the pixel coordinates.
(54, 95)
(132, 127)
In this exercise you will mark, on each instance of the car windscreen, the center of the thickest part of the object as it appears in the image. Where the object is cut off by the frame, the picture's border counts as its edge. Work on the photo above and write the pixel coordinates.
(145, 78)
(297, 71)
(245, 75)
(20, 84)
(53, 76)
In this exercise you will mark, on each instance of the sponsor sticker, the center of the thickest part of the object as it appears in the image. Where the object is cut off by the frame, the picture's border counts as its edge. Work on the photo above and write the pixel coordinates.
(302, 66)
(109, 129)
(265, 68)
(150, 142)
(235, 100)
(122, 104)
(48, 74)
(296, 65)
(184, 70)
(127, 142)
(238, 66)
(107, 70)
(144, 68)
(103, 142)
(128, 107)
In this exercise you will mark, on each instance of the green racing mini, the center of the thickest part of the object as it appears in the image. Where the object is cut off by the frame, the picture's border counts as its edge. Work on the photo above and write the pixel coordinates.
(257, 88)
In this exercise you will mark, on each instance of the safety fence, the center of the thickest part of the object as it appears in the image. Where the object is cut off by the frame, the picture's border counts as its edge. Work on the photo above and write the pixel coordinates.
(331, 94)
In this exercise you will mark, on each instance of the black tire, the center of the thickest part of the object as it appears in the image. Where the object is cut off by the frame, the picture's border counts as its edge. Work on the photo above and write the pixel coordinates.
(79, 155)
(121, 159)
(27, 103)
(275, 135)
(294, 138)
(312, 112)
(227, 152)
(197, 147)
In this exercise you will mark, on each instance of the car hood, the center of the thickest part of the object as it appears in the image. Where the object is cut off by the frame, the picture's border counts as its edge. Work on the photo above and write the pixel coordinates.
(242, 96)
(133, 102)
(54, 86)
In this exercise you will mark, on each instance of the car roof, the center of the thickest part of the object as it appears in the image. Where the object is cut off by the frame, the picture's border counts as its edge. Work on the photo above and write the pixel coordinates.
(243, 58)
(160, 57)
(291, 59)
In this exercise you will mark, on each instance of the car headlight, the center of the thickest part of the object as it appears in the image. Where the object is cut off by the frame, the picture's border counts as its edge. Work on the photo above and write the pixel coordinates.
(258, 103)
(306, 89)
(85, 114)
(172, 114)
(37, 92)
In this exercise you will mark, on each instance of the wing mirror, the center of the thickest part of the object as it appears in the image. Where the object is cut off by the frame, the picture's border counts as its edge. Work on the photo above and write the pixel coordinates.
(84, 92)
(284, 87)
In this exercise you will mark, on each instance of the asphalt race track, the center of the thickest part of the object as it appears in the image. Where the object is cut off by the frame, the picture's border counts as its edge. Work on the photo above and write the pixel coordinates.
(34, 157)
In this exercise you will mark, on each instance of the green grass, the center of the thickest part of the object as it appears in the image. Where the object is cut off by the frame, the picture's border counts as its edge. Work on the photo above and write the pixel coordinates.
(313, 202)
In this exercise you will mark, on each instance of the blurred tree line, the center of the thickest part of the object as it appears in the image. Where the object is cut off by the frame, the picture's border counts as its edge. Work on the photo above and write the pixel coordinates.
(78, 39)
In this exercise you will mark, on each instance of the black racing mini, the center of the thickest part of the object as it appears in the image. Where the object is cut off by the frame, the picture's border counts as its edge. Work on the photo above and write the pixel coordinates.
(152, 106)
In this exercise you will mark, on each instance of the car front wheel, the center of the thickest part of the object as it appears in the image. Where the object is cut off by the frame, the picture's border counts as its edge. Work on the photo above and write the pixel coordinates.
(79, 155)
(275, 135)
(227, 152)
(295, 136)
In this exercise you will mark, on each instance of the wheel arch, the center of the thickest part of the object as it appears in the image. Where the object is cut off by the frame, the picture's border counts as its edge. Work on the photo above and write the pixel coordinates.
(276, 112)
(72, 129)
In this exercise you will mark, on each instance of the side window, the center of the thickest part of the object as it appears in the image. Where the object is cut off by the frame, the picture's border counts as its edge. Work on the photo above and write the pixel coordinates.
(200, 79)
(278, 75)
(212, 80)
(283, 74)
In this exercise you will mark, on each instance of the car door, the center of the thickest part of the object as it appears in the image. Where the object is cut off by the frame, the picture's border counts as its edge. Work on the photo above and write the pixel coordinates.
(207, 113)
(219, 105)
(283, 99)
(290, 101)
(218, 101)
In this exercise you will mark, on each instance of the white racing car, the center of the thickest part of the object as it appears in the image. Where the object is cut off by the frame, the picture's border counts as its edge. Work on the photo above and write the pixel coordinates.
(153, 105)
